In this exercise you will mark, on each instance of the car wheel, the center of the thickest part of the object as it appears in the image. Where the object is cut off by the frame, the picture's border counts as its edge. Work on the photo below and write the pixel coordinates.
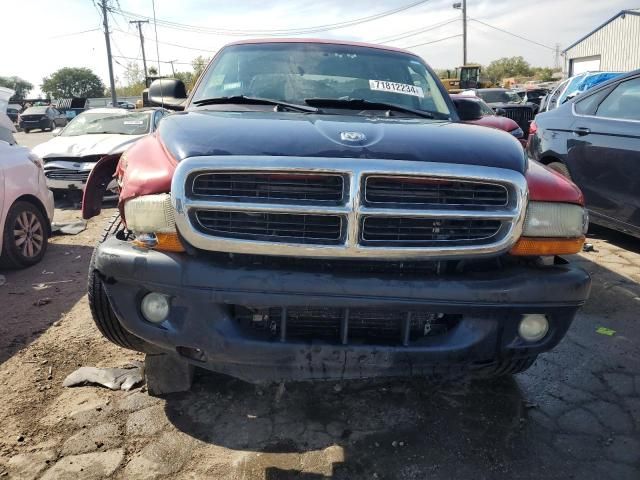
(101, 311)
(25, 236)
(26, 130)
(561, 168)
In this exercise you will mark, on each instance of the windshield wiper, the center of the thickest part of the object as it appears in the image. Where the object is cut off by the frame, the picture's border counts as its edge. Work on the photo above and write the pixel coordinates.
(362, 104)
(244, 100)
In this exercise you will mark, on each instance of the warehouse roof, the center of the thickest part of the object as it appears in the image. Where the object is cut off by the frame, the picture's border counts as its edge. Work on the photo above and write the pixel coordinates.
(634, 11)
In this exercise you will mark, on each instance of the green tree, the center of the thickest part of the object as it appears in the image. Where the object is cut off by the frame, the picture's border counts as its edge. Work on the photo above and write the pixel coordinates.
(73, 82)
(21, 87)
(545, 74)
(508, 67)
(199, 64)
(153, 70)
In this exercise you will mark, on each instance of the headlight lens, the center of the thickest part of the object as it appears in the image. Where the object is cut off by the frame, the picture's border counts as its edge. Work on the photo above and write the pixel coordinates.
(150, 214)
(518, 133)
(548, 219)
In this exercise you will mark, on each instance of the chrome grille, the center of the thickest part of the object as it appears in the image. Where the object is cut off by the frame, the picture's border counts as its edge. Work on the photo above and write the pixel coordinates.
(428, 232)
(269, 187)
(421, 192)
(414, 224)
(271, 227)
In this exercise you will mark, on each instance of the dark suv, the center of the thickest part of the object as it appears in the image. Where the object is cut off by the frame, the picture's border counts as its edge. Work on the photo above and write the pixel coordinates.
(509, 104)
(319, 212)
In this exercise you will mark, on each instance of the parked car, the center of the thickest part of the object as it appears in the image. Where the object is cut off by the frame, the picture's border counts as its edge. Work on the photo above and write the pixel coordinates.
(97, 133)
(26, 204)
(123, 104)
(13, 113)
(509, 104)
(318, 212)
(595, 141)
(475, 111)
(41, 117)
(574, 86)
(534, 95)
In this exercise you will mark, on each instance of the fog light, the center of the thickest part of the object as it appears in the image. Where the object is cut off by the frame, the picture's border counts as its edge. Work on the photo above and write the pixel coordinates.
(533, 327)
(155, 307)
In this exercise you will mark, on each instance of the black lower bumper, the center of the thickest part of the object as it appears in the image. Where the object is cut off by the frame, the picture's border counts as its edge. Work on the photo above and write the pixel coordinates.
(205, 291)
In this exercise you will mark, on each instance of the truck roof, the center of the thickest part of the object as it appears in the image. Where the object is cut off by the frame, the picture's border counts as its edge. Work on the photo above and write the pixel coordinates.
(322, 41)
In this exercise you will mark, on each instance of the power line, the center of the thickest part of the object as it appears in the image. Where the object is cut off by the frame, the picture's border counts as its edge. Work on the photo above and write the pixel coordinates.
(161, 61)
(277, 32)
(186, 47)
(75, 33)
(411, 33)
(433, 41)
(512, 34)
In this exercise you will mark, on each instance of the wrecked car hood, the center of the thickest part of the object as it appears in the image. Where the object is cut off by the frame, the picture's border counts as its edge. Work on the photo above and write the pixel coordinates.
(209, 133)
(85, 145)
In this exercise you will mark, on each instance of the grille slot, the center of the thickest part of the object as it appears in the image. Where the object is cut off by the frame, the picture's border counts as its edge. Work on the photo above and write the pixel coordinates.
(342, 326)
(271, 227)
(413, 231)
(420, 192)
(521, 115)
(70, 175)
(270, 187)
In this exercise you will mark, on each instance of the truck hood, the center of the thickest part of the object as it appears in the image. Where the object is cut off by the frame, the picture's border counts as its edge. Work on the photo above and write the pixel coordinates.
(209, 133)
(85, 145)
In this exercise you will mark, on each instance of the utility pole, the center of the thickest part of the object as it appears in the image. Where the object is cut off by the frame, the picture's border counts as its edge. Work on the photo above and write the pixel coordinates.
(557, 56)
(172, 67)
(144, 57)
(112, 83)
(463, 6)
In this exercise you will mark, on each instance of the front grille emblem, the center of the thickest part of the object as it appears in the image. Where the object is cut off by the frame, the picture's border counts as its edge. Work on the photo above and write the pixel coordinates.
(352, 136)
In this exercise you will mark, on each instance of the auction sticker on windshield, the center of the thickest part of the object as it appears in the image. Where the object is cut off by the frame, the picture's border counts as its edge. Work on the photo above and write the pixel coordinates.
(403, 88)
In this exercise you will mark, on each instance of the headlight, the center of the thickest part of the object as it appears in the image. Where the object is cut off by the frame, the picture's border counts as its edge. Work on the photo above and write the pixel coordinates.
(552, 228)
(518, 133)
(548, 219)
(150, 214)
(152, 219)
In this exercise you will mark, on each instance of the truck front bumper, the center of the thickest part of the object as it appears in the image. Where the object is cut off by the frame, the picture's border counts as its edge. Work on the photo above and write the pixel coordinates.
(204, 292)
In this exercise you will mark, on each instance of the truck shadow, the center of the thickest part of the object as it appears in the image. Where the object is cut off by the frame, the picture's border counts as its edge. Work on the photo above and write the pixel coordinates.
(34, 298)
(549, 422)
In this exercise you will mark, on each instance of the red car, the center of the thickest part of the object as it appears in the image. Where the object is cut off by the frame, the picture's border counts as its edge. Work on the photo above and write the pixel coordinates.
(474, 110)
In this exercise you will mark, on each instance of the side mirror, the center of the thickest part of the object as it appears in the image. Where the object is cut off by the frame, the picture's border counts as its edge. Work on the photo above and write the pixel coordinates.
(468, 110)
(169, 93)
(501, 112)
(57, 131)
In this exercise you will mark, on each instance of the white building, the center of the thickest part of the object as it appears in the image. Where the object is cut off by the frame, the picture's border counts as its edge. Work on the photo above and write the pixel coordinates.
(613, 46)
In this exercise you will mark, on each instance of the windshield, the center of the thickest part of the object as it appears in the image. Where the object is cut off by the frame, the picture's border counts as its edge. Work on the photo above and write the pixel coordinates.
(35, 111)
(295, 72)
(499, 96)
(116, 123)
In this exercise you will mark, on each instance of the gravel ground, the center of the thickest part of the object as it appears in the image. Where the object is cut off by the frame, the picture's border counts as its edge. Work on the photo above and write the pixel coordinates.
(575, 414)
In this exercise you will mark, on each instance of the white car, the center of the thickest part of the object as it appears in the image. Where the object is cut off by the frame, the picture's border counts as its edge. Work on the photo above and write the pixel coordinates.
(26, 204)
(70, 156)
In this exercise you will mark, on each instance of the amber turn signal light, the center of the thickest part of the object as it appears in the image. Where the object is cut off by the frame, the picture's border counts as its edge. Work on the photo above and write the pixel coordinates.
(165, 242)
(528, 246)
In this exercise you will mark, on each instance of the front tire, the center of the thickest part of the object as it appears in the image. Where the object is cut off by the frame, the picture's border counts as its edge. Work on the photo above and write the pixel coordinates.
(25, 236)
(101, 311)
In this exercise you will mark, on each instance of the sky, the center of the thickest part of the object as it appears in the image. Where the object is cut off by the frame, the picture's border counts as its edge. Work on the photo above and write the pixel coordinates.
(41, 36)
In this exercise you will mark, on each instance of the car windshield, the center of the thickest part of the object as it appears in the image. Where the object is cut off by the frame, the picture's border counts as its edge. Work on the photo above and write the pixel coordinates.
(499, 96)
(295, 72)
(116, 123)
(35, 111)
